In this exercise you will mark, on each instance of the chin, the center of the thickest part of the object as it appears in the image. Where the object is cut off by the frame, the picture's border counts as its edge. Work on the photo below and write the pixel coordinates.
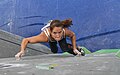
(57, 39)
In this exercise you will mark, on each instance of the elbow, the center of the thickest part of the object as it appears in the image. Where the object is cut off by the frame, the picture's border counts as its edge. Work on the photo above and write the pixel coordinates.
(26, 40)
(73, 35)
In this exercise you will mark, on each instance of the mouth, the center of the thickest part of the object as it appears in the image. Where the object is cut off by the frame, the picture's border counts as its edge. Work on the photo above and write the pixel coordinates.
(57, 39)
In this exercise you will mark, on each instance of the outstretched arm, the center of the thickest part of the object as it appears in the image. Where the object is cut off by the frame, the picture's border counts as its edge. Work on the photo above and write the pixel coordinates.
(35, 39)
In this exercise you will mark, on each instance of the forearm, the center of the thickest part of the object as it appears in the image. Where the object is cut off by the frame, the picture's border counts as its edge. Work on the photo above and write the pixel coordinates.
(73, 40)
(24, 45)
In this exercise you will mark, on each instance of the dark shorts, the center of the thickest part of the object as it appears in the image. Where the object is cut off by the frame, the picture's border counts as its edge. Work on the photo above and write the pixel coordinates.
(65, 47)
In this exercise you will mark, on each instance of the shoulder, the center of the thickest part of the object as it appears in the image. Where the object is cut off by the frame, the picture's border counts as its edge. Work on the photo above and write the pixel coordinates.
(69, 32)
(46, 31)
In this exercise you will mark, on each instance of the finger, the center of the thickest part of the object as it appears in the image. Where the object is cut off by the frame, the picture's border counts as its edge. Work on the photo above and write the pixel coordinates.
(18, 56)
(22, 55)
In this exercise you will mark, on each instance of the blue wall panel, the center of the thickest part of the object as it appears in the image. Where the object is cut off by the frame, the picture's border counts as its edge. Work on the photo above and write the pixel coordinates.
(96, 22)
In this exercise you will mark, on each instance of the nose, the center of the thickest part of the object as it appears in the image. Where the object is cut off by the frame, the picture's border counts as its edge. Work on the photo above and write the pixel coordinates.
(57, 35)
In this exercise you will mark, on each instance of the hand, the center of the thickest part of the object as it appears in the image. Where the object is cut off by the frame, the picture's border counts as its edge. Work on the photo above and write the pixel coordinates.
(77, 52)
(19, 55)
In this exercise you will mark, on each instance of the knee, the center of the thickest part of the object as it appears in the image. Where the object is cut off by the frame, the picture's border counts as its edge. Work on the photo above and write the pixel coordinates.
(54, 51)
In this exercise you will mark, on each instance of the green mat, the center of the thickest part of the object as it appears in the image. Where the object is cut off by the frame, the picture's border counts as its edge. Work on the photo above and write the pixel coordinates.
(118, 54)
(85, 49)
(104, 51)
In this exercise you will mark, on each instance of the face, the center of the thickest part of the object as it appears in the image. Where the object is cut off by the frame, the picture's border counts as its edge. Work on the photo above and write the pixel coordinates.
(57, 33)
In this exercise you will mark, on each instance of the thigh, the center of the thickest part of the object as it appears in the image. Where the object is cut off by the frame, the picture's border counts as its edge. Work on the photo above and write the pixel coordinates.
(53, 47)
(66, 47)
(63, 45)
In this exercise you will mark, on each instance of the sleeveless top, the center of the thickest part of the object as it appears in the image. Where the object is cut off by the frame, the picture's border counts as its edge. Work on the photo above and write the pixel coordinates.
(47, 33)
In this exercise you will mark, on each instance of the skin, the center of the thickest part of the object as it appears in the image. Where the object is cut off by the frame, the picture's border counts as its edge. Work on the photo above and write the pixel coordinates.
(56, 34)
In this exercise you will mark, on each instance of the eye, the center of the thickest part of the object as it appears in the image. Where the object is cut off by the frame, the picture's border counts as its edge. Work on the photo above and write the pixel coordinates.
(54, 32)
(59, 32)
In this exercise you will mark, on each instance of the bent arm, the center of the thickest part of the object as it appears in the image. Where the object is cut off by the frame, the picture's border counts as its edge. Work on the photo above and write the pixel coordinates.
(71, 34)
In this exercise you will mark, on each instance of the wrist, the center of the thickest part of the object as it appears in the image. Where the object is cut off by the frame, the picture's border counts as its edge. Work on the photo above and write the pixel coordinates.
(76, 52)
(74, 49)
(22, 51)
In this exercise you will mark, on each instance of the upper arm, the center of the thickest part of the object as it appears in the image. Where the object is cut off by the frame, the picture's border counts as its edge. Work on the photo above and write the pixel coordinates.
(39, 38)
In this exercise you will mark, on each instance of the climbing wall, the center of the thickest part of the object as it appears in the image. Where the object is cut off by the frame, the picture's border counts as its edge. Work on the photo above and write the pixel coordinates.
(96, 22)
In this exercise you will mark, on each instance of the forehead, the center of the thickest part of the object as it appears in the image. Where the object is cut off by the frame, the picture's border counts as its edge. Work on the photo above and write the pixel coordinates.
(57, 29)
